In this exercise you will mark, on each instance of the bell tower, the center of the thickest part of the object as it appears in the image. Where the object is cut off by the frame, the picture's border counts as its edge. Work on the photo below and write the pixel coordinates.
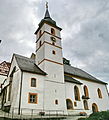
(48, 48)
(50, 59)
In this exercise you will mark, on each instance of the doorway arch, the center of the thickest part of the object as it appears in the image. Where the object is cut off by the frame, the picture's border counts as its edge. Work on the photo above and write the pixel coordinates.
(69, 104)
(94, 108)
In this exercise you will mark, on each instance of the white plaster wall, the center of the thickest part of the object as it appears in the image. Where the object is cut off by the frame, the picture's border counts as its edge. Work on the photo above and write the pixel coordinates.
(26, 89)
(43, 29)
(54, 91)
(48, 29)
(70, 95)
(48, 39)
(49, 55)
(40, 55)
(15, 84)
(54, 71)
(2, 78)
(103, 104)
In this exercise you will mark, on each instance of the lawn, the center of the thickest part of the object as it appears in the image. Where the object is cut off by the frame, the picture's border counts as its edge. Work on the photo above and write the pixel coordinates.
(104, 115)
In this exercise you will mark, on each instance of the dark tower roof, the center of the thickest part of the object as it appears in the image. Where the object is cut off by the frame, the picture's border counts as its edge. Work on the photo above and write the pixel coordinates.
(47, 19)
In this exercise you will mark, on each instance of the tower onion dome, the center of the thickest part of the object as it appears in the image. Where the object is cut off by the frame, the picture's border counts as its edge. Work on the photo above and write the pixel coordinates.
(47, 19)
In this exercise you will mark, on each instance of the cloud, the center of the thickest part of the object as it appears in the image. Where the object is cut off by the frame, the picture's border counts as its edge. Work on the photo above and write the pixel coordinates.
(85, 31)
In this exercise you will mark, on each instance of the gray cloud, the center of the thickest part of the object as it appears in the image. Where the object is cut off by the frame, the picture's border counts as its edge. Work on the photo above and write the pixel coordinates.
(84, 37)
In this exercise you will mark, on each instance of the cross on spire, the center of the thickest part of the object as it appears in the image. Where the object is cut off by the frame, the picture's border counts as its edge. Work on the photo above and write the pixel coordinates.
(46, 5)
(47, 15)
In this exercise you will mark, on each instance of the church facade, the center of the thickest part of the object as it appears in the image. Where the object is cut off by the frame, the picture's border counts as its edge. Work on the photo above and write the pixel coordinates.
(48, 83)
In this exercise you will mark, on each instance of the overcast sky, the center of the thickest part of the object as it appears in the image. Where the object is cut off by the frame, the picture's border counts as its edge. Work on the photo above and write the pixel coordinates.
(85, 34)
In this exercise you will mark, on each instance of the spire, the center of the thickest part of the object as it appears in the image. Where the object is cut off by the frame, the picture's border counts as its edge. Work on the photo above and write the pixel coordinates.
(47, 15)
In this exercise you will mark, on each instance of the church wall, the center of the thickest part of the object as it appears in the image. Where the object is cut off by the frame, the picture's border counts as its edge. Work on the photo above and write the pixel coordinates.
(15, 85)
(14, 98)
(48, 29)
(40, 55)
(48, 39)
(103, 104)
(54, 71)
(70, 95)
(57, 57)
(54, 91)
(2, 78)
(26, 89)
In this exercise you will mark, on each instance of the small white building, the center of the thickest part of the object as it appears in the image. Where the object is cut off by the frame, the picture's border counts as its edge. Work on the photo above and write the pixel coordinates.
(47, 82)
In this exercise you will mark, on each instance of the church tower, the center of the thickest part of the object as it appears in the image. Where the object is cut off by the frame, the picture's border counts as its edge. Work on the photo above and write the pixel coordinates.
(48, 48)
(50, 59)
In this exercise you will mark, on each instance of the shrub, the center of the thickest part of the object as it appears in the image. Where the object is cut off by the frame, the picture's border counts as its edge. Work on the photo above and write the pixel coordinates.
(104, 115)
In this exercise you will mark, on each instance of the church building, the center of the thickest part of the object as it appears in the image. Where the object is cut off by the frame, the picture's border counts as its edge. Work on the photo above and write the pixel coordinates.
(47, 83)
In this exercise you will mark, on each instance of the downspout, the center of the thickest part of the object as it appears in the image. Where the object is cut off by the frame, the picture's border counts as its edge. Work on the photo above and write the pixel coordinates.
(20, 93)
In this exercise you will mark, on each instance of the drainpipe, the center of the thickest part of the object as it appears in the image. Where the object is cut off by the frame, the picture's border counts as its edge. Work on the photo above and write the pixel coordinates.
(20, 93)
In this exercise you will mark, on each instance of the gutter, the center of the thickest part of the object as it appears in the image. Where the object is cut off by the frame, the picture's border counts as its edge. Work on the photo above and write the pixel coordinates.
(20, 93)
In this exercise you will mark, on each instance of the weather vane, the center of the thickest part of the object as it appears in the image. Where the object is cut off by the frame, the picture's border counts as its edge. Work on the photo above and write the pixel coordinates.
(46, 4)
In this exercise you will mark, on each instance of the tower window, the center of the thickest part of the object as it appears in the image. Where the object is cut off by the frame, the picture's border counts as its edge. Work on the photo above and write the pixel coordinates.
(53, 52)
(52, 31)
(56, 102)
(40, 33)
(33, 82)
(32, 98)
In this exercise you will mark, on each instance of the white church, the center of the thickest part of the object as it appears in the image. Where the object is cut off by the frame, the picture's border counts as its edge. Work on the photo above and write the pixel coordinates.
(47, 82)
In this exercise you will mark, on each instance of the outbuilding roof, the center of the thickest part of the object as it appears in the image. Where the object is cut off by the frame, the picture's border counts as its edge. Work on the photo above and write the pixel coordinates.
(28, 65)
(68, 69)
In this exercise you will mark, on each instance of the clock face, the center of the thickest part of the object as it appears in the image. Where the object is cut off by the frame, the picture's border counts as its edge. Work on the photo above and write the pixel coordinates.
(53, 39)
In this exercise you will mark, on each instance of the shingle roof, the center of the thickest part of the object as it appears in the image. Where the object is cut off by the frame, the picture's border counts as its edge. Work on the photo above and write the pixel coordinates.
(80, 73)
(72, 80)
(28, 65)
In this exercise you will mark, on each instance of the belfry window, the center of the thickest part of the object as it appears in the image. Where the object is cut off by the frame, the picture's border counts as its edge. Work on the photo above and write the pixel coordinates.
(33, 82)
(99, 93)
(52, 31)
(76, 93)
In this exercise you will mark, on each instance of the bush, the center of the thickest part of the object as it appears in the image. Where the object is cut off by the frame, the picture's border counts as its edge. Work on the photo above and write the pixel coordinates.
(104, 115)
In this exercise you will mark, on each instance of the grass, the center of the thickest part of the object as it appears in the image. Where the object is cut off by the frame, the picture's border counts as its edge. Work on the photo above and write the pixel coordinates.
(104, 115)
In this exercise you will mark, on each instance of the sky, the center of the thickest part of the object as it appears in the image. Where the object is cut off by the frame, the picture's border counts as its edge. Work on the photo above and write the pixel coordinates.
(85, 34)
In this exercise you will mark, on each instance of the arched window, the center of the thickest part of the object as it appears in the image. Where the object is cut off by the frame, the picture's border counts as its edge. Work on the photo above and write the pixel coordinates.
(40, 33)
(33, 82)
(69, 104)
(94, 108)
(76, 93)
(86, 93)
(56, 102)
(85, 105)
(99, 93)
(52, 31)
